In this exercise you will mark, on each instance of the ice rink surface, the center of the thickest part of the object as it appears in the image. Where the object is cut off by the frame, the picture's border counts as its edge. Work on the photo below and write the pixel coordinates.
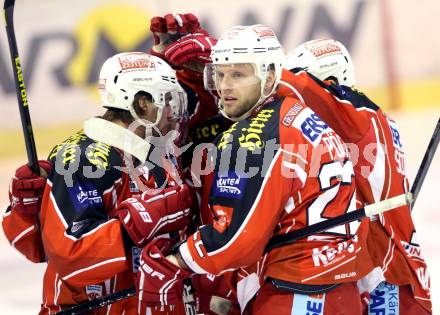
(21, 281)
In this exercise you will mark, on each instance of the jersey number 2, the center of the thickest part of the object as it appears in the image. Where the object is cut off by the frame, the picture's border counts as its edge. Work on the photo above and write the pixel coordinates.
(331, 177)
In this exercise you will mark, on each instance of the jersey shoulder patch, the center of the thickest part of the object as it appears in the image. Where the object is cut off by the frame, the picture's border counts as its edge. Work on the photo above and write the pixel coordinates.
(311, 125)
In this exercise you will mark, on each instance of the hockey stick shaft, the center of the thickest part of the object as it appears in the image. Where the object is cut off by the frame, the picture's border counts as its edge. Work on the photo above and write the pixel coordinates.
(368, 211)
(426, 162)
(115, 297)
(20, 87)
(99, 302)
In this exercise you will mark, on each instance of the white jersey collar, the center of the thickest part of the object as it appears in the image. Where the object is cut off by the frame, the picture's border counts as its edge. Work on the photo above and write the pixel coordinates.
(114, 135)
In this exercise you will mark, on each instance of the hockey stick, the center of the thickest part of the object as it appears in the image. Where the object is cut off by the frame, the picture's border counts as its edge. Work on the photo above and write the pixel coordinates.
(284, 239)
(426, 162)
(367, 211)
(122, 295)
(99, 302)
(359, 214)
(20, 88)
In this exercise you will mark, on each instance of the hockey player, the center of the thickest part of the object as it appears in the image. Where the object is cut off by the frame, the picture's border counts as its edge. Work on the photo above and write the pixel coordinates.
(203, 126)
(379, 166)
(111, 188)
(186, 46)
(278, 168)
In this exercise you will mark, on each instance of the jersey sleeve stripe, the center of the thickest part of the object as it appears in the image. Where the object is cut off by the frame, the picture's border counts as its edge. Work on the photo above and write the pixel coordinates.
(301, 173)
(190, 262)
(52, 197)
(57, 289)
(377, 175)
(22, 234)
(105, 262)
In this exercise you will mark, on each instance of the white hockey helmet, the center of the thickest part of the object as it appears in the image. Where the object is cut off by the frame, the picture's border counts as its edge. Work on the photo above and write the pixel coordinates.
(254, 44)
(124, 75)
(324, 58)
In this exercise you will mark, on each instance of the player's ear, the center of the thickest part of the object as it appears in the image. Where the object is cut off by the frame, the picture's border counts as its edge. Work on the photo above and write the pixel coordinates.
(270, 79)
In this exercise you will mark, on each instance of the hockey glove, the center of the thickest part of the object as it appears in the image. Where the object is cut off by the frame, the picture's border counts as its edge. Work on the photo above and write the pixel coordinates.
(170, 28)
(159, 281)
(147, 216)
(190, 48)
(210, 289)
(26, 189)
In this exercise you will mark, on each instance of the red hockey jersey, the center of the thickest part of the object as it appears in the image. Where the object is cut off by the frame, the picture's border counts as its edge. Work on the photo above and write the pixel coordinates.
(277, 171)
(88, 253)
(377, 153)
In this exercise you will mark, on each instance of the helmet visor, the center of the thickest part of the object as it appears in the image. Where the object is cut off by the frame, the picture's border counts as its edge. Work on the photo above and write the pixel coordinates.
(178, 103)
(222, 77)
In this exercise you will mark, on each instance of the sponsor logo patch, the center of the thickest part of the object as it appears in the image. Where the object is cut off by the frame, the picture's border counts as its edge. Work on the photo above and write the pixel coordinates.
(68, 148)
(326, 255)
(384, 300)
(251, 136)
(323, 47)
(308, 304)
(397, 142)
(78, 225)
(93, 291)
(412, 250)
(98, 154)
(311, 125)
(263, 31)
(291, 114)
(346, 275)
(224, 217)
(136, 61)
(229, 186)
(84, 196)
(226, 137)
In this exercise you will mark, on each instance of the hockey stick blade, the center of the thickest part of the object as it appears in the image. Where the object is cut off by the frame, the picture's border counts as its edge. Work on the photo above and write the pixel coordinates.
(20, 87)
(359, 214)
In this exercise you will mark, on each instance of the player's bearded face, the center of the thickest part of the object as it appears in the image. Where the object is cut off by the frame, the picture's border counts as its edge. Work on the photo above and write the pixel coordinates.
(238, 87)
